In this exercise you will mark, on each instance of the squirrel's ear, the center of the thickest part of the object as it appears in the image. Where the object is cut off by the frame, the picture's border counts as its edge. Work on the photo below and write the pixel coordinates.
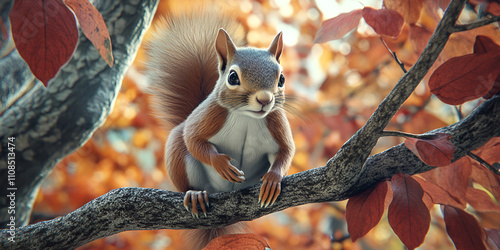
(225, 48)
(276, 46)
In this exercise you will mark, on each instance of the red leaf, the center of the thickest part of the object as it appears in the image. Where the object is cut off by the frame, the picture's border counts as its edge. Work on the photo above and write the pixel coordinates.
(383, 21)
(484, 44)
(433, 152)
(409, 9)
(338, 26)
(465, 78)
(463, 228)
(45, 35)
(237, 241)
(93, 27)
(364, 210)
(408, 216)
(494, 90)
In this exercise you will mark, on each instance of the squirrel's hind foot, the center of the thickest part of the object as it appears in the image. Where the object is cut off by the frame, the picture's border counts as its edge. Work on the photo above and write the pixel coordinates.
(196, 197)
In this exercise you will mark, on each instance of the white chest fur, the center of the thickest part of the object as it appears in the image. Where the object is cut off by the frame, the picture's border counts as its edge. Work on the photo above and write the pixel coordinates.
(250, 145)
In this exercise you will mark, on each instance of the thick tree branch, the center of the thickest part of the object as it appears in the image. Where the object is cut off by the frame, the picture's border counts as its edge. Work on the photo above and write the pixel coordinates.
(148, 209)
(49, 123)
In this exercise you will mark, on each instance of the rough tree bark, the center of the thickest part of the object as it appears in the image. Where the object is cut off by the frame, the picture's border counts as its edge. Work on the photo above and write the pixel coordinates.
(349, 172)
(50, 123)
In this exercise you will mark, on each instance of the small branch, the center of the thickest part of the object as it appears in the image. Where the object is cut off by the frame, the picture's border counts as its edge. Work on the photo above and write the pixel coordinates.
(458, 109)
(470, 26)
(484, 163)
(401, 64)
(403, 134)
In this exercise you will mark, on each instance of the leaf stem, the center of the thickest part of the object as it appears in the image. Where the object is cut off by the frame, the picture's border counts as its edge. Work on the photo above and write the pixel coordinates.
(403, 134)
(480, 23)
(401, 64)
(484, 163)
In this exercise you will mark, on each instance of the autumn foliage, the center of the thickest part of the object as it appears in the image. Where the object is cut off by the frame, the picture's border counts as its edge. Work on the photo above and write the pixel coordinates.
(455, 81)
(45, 33)
(344, 86)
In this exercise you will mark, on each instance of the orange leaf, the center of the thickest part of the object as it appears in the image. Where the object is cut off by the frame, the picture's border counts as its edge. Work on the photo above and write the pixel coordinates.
(454, 178)
(484, 44)
(481, 201)
(436, 152)
(409, 9)
(419, 37)
(364, 210)
(438, 194)
(465, 78)
(463, 228)
(93, 26)
(383, 21)
(45, 35)
(338, 26)
(408, 216)
(237, 241)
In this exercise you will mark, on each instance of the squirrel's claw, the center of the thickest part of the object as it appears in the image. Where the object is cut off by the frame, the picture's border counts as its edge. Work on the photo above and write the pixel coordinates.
(222, 165)
(270, 189)
(195, 198)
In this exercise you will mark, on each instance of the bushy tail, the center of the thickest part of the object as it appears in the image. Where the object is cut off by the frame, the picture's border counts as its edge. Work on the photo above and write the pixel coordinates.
(199, 238)
(182, 62)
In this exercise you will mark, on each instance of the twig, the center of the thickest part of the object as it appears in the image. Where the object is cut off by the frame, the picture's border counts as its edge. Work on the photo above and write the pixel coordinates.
(401, 64)
(484, 163)
(458, 109)
(465, 27)
(403, 134)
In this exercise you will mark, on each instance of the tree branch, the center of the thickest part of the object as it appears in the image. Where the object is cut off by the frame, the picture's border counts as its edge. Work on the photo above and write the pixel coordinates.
(470, 26)
(150, 209)
(50, 123)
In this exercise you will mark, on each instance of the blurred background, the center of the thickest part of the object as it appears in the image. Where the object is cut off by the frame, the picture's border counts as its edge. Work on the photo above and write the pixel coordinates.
(339, 84)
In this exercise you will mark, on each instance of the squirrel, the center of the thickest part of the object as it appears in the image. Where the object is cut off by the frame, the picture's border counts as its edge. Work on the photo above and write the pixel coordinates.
(225, 103)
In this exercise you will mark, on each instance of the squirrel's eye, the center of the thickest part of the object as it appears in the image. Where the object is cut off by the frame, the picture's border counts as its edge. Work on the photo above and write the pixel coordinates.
(281, 81)
(233, 79)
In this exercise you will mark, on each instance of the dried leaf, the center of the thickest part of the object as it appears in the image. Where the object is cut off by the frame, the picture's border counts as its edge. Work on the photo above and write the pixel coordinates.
(408, 216)
(433, 152)
(383, 21)
(93, 26)
(45, 35)
(338, 26)
(237, 241)
(465, 78)
(364, 210)
(409, 9)
(463, 228)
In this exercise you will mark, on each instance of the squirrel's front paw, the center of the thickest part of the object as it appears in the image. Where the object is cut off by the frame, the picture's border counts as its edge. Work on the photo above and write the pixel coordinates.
(226, 170)
(270, 189)
(195, 198)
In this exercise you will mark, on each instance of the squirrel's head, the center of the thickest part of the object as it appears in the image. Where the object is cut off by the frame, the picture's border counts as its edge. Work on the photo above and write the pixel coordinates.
(251, 80)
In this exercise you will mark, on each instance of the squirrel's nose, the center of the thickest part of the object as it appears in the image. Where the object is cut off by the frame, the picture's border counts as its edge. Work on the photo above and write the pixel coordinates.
(264, 98)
